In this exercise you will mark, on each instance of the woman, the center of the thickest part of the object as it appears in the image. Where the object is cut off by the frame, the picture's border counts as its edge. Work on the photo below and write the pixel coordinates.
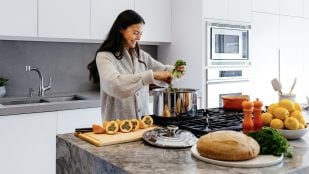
(124, 71)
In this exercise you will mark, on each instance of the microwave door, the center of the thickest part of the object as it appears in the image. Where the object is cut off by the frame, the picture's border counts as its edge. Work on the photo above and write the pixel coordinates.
(226, 44)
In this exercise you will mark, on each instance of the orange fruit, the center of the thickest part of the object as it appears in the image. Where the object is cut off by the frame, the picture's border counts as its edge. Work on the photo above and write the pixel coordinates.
(135, 124)
(125, 126)
(112, 127)
(98, 129)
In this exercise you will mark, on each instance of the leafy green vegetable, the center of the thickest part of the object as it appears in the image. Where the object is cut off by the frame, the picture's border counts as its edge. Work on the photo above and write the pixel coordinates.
(271, 141)
(175, 73)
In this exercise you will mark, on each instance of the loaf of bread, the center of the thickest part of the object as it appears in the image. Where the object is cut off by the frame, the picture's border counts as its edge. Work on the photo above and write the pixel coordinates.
(227, 146)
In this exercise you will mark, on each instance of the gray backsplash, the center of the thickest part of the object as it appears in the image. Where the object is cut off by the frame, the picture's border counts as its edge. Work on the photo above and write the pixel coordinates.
(65, 63)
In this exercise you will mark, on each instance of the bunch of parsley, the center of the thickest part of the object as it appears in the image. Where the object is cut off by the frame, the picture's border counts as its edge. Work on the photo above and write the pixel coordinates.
(175, 73)
(271, 141)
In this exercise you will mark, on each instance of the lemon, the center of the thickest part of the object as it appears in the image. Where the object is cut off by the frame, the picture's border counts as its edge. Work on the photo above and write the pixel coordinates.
(297, 106)
(276, 124)
(301, 126)
(287, 104)
(291, 123)
(281, 113)
(266, 117)
(272, 107)
(298, 115)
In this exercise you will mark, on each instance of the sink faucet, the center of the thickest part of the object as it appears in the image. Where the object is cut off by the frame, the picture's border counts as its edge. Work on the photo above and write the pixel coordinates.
(42, 88)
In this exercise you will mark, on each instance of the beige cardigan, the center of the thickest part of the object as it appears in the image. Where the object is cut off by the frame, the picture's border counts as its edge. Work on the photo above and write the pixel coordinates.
(125, 84)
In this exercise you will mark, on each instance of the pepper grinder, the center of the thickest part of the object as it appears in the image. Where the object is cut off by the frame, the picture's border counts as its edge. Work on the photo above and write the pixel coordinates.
(247, 124)
(257, 111)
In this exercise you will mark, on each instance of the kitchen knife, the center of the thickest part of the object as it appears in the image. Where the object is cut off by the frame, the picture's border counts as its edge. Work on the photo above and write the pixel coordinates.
(83, 130)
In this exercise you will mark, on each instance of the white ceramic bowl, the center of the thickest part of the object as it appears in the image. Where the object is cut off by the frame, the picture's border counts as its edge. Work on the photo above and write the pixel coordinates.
(293, 134)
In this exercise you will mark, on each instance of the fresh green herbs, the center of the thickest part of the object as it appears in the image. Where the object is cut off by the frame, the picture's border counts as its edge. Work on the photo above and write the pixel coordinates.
(271, 141)
(176, 73)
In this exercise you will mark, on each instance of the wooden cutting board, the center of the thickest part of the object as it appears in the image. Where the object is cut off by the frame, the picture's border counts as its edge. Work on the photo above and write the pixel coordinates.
(119, 137)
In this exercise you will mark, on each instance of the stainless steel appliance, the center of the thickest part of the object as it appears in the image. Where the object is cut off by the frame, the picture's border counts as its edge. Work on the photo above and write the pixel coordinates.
(171, 102)
(227, 44)
(205, 121)
(222, 81)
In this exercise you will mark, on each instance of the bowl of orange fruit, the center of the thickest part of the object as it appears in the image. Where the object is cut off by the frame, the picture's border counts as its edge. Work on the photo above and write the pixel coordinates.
(287, 117)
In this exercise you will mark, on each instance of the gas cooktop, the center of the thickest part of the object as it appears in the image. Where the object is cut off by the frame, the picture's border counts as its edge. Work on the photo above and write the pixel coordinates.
(206, 120)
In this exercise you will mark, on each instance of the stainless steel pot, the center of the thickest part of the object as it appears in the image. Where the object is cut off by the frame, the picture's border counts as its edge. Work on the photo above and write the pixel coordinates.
(171, 102)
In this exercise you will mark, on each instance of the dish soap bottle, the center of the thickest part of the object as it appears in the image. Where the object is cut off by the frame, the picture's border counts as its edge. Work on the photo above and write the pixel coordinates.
(247, 124)
(257, 111)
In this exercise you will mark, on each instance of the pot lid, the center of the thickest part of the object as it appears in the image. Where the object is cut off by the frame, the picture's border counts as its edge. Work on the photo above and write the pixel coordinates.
(170, 137)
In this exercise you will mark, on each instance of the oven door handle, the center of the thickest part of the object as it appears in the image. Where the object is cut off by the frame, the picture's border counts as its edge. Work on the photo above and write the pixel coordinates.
(227, 80)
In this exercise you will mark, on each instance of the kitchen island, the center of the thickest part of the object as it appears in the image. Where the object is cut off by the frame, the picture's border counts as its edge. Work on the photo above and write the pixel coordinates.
(77, 156)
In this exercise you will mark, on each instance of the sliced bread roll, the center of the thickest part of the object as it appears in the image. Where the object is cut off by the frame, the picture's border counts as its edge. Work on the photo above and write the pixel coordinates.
(227, 146)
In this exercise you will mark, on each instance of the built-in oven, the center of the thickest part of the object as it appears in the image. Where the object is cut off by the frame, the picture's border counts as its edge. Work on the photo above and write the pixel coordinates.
(226, 81)
(227, 44)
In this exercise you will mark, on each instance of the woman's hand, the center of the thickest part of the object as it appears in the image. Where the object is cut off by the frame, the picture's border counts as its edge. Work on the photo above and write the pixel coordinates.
(181, 68)
(165, 76)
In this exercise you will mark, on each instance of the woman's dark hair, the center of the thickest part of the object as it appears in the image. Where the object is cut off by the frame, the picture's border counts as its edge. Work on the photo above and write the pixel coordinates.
(114, 42)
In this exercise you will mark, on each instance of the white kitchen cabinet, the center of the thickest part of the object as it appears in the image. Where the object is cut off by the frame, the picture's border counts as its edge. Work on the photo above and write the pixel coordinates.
(68, 120)
(291, 52)
(306, 8)
(303, 81)
(234, 10)
(28, 143)
(18, 18)
(216, 9)
(239, 10)
(64, 19)
(291, 7)
(103, 14)
(278, 51)
(266, 6)
(157, 16)
(264, 56)
(156, 13)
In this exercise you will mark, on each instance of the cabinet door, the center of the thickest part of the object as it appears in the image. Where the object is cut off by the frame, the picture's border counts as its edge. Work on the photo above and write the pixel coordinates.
(291, 51)
(217, 9)
(303, 81)
(267, 6)
(306, 8)
(157, 15)
(239, 10)
(28, 143)
(64, 19)
(264, 56)
(18, 18)
(78, 118)
(291, 7)
(103, 14)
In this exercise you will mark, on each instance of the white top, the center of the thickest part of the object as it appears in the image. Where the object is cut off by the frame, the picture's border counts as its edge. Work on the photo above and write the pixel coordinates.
(125, 83)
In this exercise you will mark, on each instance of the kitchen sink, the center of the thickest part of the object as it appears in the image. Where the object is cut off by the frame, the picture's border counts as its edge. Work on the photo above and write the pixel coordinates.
(48, 99)
(64, 98)
(23, 101)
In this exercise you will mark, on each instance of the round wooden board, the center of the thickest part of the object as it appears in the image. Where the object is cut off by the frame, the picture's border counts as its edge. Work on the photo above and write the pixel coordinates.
(259, 161)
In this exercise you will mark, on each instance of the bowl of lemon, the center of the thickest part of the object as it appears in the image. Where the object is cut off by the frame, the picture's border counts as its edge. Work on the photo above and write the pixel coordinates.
(287, 117)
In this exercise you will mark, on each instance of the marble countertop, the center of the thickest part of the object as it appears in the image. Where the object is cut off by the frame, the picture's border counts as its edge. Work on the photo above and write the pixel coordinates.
(92, 100)
(77, 156)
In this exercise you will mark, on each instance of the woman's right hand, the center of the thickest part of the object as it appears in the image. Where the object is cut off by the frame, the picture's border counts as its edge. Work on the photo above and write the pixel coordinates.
(165, 76)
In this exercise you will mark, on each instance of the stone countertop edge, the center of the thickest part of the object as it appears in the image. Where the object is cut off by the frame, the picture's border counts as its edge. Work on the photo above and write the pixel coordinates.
(92, 101)
(139, 157)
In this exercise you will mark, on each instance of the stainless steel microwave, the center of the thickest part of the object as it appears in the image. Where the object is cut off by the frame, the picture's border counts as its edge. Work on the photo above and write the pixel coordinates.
(227, 44)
